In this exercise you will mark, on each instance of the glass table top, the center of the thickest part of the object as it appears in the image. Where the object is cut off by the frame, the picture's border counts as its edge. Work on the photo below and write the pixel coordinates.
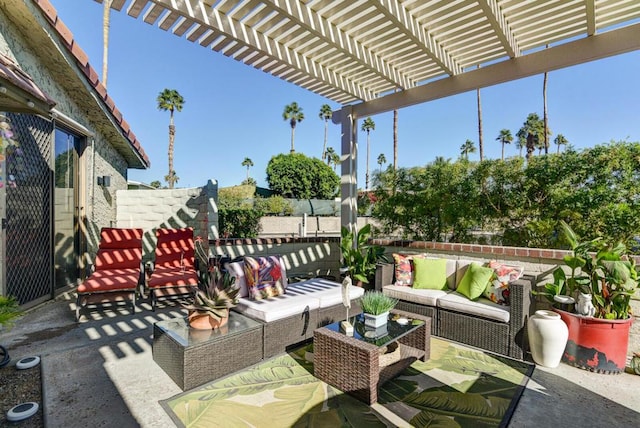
(395, 328)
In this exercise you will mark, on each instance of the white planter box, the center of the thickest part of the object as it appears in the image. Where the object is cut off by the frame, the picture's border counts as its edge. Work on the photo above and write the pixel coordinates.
(375, 321)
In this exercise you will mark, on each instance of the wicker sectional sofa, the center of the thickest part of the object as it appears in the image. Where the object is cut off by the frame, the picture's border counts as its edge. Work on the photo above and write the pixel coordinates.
(481, 323)
(291, 318)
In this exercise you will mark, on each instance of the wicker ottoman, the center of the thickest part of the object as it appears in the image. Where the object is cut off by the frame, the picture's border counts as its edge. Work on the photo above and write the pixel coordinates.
(193, 357)
(356, 366)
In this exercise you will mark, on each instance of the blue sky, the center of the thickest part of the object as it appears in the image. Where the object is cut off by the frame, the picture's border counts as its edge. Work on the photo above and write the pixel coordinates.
(233, 111)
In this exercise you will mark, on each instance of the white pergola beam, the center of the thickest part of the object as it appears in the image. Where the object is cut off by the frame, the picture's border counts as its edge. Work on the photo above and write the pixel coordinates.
(615, 42)
(500, 26)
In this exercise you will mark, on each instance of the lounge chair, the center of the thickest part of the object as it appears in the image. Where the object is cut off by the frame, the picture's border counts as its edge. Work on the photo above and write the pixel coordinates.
(117, 271)
(173, 274)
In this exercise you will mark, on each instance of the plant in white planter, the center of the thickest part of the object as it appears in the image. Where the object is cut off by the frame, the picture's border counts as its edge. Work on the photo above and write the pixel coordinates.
(376, 307)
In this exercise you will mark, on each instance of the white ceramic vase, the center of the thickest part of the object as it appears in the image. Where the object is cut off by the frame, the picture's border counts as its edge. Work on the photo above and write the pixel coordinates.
(548, 336)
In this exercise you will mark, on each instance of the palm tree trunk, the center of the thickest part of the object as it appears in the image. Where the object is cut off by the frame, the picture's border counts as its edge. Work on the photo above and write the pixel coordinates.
(503, 150)
(105, 39)
(395, 138)
(172, 134)
(324, 146)
(293, 130)
(546, 119)
(480, 142)
(366, 180)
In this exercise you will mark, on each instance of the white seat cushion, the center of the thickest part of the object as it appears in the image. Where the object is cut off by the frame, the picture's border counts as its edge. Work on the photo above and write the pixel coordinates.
(420, 296)
(329, 293)
(279, 307)
(482, 307)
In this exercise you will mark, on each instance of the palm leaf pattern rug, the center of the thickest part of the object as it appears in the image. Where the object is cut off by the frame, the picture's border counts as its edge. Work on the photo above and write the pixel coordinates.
(457, 387)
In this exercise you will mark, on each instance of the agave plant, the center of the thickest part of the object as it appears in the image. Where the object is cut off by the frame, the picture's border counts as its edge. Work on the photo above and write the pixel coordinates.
(218, 296)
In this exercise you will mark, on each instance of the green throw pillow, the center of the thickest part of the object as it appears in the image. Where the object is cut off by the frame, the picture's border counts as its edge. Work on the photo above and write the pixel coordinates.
(474, 281)
(430, 273)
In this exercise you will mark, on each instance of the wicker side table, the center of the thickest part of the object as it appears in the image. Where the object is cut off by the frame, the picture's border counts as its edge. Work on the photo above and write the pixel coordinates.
(193, 357)
(354, 366)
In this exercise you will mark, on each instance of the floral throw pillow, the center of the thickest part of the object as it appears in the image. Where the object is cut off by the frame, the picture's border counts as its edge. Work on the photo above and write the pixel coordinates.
(498, 288)
(264, 277)
(404, 269)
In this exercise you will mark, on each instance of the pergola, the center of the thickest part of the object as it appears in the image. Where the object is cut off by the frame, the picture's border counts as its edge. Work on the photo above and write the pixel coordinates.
(374, 56)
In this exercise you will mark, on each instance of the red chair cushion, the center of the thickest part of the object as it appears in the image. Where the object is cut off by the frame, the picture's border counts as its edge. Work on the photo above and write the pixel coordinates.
(118, 258)
(112, 237)
(111, 280)
(171, 277)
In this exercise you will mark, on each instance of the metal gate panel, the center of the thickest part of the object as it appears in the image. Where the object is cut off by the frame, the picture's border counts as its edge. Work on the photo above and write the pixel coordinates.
(29, 218)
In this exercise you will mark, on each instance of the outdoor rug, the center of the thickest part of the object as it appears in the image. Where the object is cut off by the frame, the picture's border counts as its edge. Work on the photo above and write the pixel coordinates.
(458, 387)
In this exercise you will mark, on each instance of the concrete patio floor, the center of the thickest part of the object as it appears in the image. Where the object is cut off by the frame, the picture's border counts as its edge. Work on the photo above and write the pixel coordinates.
(100, 372)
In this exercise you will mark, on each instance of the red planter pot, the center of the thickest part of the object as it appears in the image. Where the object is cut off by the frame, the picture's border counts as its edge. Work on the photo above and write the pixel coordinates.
(596, 344)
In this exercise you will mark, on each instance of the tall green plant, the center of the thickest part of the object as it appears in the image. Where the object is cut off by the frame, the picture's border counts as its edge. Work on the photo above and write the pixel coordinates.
(358, 257)
(9, 310)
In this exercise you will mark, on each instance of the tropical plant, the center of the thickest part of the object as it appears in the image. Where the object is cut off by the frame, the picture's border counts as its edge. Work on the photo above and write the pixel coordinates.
(216, 296)
(600, 269)
(247, 162)
(466, 148)
(171, 100)
(293, 113)
(332, 158)
(376, 302)
(505, 137)
(325, 114)
(532, 134)
(359, 258)
(368, 125)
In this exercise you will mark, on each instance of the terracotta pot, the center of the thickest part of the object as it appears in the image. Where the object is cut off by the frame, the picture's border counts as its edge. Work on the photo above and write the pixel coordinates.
(596, 344)
(201, 321)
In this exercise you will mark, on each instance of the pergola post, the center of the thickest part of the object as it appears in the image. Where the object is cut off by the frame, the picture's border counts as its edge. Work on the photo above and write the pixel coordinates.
(349, 169)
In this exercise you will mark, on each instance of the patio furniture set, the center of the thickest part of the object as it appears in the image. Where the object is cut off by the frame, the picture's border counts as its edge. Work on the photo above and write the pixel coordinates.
(260, 328)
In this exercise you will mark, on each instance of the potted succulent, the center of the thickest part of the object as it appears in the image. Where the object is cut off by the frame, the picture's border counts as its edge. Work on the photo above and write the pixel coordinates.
(603, 271)
(376, 307)
(359, 259)
(211, 303)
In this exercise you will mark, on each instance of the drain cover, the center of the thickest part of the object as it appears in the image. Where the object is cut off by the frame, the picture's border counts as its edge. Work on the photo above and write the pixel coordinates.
(27, 363)
(22, 411)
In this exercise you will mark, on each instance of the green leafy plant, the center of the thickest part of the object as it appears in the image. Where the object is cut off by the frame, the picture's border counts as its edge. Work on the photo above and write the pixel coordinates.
(376, 303)
(601, 269)
(358, 257)
(9, 310)
(216, 297)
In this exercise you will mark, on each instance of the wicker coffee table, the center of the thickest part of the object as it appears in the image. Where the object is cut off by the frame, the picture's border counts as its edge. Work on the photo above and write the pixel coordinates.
(193, 357)
(355, 364)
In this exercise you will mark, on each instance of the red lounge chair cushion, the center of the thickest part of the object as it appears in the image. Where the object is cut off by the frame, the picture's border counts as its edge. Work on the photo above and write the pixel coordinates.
(118, 258)
(172, 277)
(111, 280)
(111, 237)
(174, 256)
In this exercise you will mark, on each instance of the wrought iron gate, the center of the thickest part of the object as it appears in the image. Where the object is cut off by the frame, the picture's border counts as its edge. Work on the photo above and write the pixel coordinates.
(29, 270)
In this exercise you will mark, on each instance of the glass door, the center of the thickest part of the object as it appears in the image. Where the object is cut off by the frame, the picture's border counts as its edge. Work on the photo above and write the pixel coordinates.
(66, 208)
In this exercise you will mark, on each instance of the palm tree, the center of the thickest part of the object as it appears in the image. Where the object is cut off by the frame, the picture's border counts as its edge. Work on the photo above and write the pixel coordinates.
(381, 160)
(248, 163)
(545, 117)
(395, 138)
(505, 137)
(531, 135)
(325, 114)
(560, 141)
(171, 100)
(480, 138)
(466, 148)
(106, 14)
(293, 113)
(368, 125)
(328, 155)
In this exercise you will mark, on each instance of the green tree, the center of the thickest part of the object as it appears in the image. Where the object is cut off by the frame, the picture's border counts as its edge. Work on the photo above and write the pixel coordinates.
(381, 160)
(300, 177)
(247, 162)
(505, 137)
(531, 135)
(171, 100)
(155, 184)
(466, 148)
(368, 125)
(560, 140)
(293, 113)
(329, 155)
(325, 114)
